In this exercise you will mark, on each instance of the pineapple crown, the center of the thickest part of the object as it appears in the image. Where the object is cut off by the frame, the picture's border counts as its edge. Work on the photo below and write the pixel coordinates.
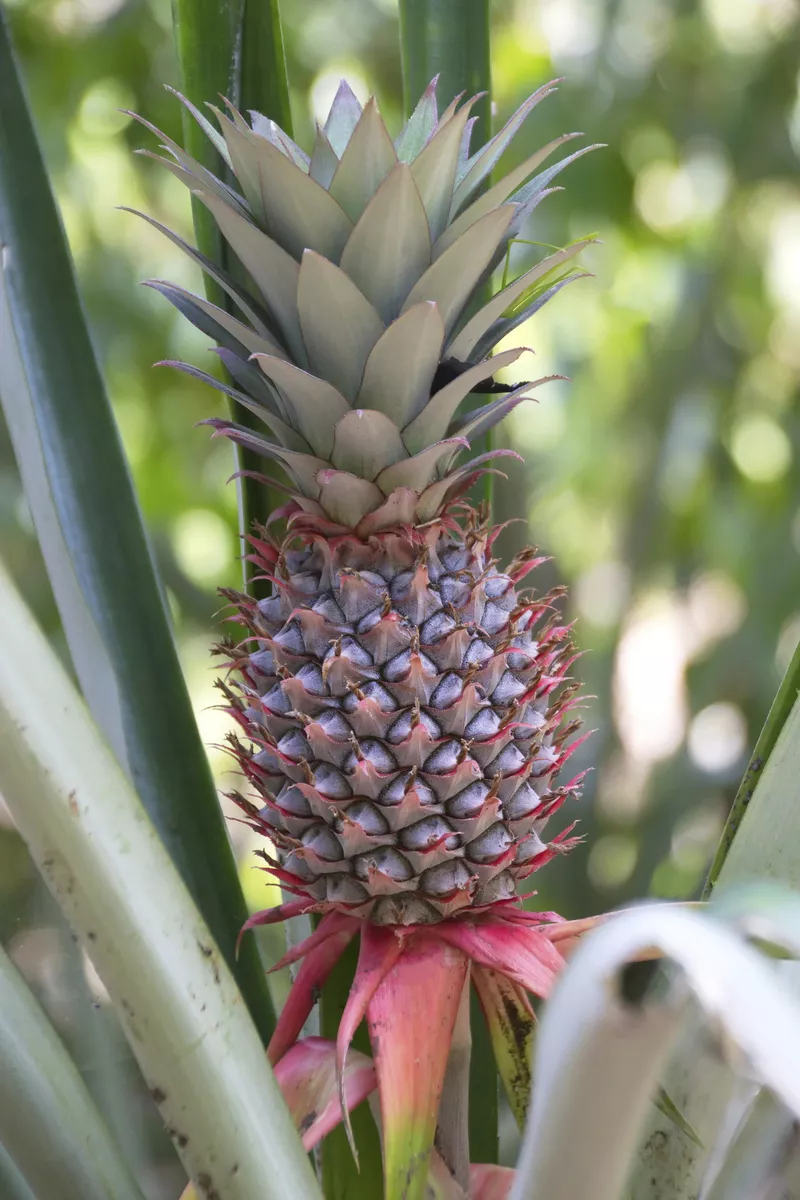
(356, 341)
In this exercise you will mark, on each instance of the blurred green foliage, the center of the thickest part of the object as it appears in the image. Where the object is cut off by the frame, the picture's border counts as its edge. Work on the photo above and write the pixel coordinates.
(662, 479)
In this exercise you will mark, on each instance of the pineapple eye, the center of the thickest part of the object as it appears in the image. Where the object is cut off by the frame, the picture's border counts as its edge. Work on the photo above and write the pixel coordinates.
(387, 861)
(469, 803)
(491, 845)
(446, 878)
(524, 801)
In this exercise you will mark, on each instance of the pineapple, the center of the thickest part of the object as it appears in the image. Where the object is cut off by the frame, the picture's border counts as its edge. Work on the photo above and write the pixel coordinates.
(403, 703)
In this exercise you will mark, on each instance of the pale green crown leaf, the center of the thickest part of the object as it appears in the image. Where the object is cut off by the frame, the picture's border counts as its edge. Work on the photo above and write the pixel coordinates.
(356, 341)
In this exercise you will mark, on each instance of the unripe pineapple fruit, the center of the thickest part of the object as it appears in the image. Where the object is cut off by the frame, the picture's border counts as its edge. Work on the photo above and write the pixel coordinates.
(399, 699)
(402, 699)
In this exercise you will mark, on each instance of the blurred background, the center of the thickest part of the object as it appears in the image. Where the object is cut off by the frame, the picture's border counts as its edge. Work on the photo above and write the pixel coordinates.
(662, 479)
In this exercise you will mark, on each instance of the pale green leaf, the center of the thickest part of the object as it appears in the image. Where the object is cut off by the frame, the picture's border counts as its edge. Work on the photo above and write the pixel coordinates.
(48, 1121)
(274, 272)
(323, 162)
(762, 842)
(297, 212)
(451, 280)
(241, 297)
(390, 247)
(368, 158)
(463, 344)
(434, 170)
(474, 424)
(419, 126)
(366, 441)
(287, 436)
(315, 404)
(479, 167)
(343, 117)
(417, 472)
(498, 194)
(348, 498)
(215, 322)
(304, 469)
(339, 325)
(528, 306)
(432, 422)
(599, 1056)
(400, 370)
(108, 869)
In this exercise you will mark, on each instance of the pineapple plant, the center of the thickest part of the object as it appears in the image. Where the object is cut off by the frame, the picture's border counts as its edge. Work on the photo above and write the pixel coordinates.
(403, 702)
(428, 558)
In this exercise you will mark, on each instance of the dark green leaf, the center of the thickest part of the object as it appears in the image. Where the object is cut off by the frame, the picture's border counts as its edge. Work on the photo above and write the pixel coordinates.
(231, 48)
(93, 538)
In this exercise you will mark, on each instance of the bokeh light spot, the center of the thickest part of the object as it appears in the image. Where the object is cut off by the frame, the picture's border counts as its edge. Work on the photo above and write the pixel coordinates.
(612, 861)
(717, 737)
(203, 545)
(760, 448)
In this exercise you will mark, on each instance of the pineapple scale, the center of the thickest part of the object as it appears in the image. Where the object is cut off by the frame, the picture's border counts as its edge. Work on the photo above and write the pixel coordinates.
(404, 717)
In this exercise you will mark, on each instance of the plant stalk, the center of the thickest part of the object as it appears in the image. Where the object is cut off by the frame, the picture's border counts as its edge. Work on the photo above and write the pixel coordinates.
(451, 39)
(452, 1131)
(231, 48)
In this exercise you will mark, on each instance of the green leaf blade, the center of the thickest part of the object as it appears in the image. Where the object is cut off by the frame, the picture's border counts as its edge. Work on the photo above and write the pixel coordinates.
(93, 538)
(44, 1102)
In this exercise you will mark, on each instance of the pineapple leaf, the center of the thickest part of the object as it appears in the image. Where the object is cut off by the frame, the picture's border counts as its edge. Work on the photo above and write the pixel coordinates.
(251, 307)
(348, 497)
(671, 1111)
(215, 322)
(271, 131)
(451, 280)
(432, 422)
(340, 327)
(594, 1041)
(243, 160)
(401, 366)
(498, 194)
(411, 1017)
(418, 471)
(539, 297)
(474, 424)
(386, 267)
(303, 468)
(265, 413)
(307, 1077)
(323, 162)
(213, 135)
(434, 169)
(534, 187)
(93, 538)
(273, 270)
(343, 117)
(367, 159)
(366, 441)
(419, 126)
(306, 397)
(247, 375)
(45, 1102)
(113, 878)
(479, 167)
(510, 301)
(297, 212)
(188, 171)
(512, 1028)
